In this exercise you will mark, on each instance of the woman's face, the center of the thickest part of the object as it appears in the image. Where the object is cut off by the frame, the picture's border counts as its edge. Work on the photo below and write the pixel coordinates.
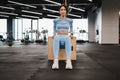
(63, 11)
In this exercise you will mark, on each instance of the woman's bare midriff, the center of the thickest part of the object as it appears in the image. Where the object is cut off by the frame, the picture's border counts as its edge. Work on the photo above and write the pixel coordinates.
(62, 32)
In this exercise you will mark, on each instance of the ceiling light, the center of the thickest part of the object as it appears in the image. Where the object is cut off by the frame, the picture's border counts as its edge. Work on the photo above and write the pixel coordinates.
(90, 0)
(51, 15)
(51, 10)
(29, 16)
(7, 7)
(3, 15)
(74, 15)
(22, 4)
(8, 13)
(31, 12)
(18, 17)
(53, 2)
(77, 8)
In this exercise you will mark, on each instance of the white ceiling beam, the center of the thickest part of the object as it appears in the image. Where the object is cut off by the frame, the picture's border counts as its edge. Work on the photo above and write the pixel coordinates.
(29, 16)
(74, 15)
(53, 2)
(8, 13)
(3, 15)
(51, 10)
(26, 11)
(4, 7)
(21, 4)
(52, 15)
(79, 9)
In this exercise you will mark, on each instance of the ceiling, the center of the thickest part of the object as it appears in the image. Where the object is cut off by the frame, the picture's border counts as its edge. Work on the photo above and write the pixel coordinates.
(46, 8)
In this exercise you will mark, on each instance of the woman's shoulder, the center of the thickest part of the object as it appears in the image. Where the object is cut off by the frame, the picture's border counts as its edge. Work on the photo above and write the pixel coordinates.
(68, 19)
(57, 19)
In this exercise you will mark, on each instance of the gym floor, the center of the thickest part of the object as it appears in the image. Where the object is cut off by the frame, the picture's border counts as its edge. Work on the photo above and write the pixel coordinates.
(29, 62)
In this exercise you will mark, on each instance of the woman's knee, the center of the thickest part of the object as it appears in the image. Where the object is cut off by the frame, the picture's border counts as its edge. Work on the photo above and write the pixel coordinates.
(56, 39)
(68, 39)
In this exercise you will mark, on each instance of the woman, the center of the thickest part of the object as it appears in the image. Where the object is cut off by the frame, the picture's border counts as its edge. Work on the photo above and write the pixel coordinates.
(62, 29)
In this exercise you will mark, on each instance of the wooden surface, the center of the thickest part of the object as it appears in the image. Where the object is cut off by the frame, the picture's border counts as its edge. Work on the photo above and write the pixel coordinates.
(62, 53)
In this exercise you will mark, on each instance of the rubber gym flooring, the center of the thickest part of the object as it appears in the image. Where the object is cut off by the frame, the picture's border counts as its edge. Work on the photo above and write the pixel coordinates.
(30, 62)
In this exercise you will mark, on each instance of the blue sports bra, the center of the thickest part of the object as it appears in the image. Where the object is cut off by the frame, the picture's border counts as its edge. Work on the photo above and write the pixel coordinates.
(65, 24)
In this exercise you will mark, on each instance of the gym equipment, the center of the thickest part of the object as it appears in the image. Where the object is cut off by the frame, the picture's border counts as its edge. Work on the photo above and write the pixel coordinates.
(62, 53)
(9, 39)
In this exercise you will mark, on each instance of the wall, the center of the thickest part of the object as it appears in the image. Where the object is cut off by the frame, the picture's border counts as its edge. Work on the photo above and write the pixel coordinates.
(110, 22)
(91, 27)
(107, 18)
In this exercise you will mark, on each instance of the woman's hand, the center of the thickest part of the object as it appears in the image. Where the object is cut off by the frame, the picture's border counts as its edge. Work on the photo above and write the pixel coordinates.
(53, 36)
(71, 36)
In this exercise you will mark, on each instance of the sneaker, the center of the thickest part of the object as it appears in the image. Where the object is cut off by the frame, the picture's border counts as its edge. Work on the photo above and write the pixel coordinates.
(68, 64)
(55, 64)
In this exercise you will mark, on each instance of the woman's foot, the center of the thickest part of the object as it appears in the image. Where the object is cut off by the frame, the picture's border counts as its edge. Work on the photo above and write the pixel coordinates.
(55, 64)
(68, 64)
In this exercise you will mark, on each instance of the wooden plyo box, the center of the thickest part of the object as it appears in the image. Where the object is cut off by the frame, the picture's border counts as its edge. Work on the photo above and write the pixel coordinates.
(62, 53)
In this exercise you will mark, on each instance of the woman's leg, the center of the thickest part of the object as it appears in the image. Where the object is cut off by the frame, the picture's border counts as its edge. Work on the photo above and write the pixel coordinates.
(68, 46)
(56, 51)
(68, 52)
(56, 46)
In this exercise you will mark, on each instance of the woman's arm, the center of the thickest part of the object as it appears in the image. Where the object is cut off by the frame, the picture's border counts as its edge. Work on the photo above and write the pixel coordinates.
(54, 28)
(71, 26)
(71, 29)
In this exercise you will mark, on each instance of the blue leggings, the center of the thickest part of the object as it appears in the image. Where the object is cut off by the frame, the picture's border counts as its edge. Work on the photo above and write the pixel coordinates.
(56, 45)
